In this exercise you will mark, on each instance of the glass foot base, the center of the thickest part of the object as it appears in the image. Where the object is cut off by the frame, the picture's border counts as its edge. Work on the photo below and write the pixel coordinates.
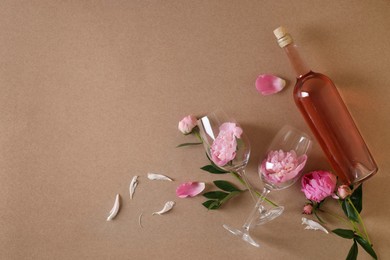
(268, 215)
(243, 234)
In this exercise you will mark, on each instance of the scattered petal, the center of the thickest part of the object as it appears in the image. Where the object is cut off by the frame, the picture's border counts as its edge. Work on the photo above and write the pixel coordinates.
(139, 220)
(268, 84)
(311, 224)
(114, 209)
(154, 176)
(190, 189)
(167, 207)
(133, 185)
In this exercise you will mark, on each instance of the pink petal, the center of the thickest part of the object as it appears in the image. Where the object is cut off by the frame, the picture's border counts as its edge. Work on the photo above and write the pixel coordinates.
(290, 175)
(190, 189)
(268, 84)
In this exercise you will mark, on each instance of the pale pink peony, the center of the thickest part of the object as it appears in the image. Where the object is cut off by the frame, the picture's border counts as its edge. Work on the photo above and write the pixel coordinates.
(308, 209)
(318, 185)
(187, 124)
(268, 84)
(344, 191)
(224, 147)
(190, 189)
(280, 166)
(232, 128)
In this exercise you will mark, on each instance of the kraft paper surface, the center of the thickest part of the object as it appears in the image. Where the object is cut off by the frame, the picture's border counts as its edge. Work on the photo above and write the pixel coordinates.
(91, 93)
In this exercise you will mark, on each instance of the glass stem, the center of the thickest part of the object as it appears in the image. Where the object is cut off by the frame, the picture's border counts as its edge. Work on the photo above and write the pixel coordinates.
(241, 172)
(254, 211)
(258, 194)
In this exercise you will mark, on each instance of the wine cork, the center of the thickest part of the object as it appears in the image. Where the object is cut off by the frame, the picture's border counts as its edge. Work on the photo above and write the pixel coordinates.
(280, 32)
(283, 37)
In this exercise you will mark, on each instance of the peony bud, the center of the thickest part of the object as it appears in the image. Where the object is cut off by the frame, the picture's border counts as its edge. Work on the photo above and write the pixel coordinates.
(344, 191)
(187, 124)
(308, 209)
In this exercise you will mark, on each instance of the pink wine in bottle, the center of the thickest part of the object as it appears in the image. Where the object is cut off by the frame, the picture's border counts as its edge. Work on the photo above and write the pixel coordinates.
(327, 116)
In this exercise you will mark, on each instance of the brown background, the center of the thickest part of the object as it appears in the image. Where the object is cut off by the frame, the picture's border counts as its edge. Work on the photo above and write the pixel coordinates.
(91, 93)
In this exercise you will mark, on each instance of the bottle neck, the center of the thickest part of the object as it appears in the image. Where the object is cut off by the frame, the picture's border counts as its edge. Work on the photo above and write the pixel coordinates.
(296, 61)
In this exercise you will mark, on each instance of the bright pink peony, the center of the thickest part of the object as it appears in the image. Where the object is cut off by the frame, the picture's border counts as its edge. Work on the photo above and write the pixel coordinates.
(187, 124)
(318, 185)
(281, 166)
(224, 147)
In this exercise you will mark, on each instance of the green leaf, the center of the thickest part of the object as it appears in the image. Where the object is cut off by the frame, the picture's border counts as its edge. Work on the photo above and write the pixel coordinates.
(353, 252)
(211, 204)
(366, 246)
(212, 169)
(343, 203)
(356, 198)
(187, 144)
(349, 211)
(345, 233)
(219, 195)
(226, 186)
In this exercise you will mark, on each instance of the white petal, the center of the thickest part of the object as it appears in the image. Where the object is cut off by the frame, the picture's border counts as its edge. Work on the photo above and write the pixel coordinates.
(311, 224)
(167, 207)
(154, 176)
(133, 185)
(139, 220)
(114, 209)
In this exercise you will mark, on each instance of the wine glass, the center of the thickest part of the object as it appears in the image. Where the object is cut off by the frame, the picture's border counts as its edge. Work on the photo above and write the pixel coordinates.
(281, 168)
(225, 143)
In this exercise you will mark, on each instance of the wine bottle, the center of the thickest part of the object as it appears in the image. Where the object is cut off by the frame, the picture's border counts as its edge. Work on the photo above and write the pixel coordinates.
(329, 119)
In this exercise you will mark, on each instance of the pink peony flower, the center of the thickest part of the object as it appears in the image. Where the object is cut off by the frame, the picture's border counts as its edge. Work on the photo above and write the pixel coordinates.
(187, 124)
(318, 185)
(344, 191)
(224, 147)
(232, 128)
(308, 209)
(280, 166)
(190, 189)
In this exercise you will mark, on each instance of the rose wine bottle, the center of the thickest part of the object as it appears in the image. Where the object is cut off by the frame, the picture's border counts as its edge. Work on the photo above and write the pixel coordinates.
(327, 116)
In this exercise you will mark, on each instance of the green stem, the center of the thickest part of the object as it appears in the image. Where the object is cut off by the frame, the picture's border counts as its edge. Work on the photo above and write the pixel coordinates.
(228, 197)
(349, 222)
(360, 220)
(196, 133)
(337, 217)
(238, 177)
(352, 223)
